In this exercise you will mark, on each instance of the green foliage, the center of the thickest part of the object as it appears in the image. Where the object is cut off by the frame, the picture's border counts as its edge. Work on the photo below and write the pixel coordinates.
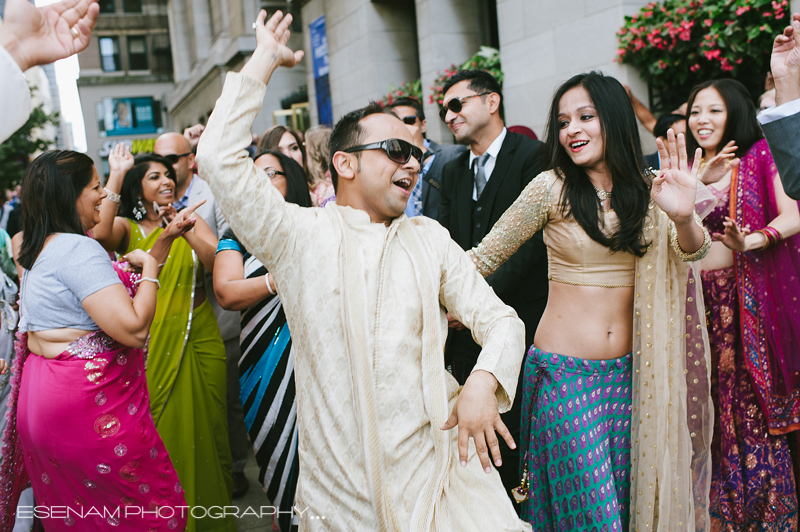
(485, 59)
(16, 153)
(676, 44)
(300, 95)
(405, 90)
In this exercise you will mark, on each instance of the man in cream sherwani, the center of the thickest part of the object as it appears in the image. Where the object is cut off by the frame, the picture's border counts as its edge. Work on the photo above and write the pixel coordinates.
(365, 291)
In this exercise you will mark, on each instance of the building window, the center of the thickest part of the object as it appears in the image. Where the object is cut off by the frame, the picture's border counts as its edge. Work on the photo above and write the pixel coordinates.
(107, 6)
(137, 53)
(132, 6)
(162, 54)
(109, 54)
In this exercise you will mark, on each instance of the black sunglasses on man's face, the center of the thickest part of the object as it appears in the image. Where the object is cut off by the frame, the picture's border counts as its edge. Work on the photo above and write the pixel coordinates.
(455, 104)
(397, 150)
(409, 120)
(174, 158)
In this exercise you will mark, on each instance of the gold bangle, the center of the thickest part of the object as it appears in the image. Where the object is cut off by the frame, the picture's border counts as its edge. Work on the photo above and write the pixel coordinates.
(695, 255)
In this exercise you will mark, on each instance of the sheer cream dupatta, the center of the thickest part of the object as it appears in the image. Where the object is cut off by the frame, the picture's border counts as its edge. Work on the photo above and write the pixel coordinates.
(673, 415)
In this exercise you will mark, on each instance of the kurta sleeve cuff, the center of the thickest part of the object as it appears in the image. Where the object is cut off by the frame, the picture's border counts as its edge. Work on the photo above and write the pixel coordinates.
(15, 95)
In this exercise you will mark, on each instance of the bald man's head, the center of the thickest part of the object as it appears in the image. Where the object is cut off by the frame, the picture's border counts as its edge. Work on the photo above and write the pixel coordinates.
(177, 147)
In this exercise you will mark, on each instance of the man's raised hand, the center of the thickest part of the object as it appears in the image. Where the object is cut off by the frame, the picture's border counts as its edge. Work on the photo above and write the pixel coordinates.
(38, 36)
(271, 50)
(785, 62)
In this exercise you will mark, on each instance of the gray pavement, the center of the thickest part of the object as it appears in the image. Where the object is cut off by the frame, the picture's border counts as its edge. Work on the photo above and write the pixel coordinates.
(255, 498)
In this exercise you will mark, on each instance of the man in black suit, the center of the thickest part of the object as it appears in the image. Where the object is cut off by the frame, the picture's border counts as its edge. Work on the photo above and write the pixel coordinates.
(425, 196)
(781, 124)
(477, 188)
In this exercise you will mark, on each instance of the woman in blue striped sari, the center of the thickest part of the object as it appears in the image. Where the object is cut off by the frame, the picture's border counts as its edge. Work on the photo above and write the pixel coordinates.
(266, 369)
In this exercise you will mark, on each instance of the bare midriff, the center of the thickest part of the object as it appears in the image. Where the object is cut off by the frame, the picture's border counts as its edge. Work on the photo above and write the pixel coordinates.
(52, 342)
(588, 322)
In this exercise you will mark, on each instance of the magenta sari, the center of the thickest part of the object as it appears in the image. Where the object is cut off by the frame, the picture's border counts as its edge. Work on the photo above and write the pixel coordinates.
(769, 295)
(80, 431)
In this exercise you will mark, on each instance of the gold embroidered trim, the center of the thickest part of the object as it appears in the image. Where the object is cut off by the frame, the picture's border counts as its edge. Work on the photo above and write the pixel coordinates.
(600, 285)
(690, 257)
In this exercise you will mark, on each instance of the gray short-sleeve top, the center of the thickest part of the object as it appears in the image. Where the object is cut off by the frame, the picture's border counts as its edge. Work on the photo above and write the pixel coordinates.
(70, 268)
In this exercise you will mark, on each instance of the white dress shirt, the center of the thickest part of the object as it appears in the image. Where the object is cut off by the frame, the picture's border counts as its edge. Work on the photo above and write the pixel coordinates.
(488, 168)
(15, 95)
(781, 111)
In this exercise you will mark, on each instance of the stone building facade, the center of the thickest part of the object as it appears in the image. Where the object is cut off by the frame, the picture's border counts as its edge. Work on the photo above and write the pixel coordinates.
(125, 77)
(373, 44)
(212, 37)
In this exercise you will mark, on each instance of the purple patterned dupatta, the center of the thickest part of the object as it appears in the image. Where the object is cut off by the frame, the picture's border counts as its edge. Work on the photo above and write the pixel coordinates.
(769, 291)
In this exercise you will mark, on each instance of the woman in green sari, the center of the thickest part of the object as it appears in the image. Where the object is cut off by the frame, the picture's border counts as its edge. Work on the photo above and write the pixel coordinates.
(186, 364)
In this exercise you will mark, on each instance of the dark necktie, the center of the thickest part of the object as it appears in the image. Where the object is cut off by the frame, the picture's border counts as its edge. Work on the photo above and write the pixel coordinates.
(480, 175)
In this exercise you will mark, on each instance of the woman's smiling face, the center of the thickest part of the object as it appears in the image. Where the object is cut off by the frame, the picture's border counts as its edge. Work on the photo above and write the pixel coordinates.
(580, 131)
(157, 186)
(707, 119)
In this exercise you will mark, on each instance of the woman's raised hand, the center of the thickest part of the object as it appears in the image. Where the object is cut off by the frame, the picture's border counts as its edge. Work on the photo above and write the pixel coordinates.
(183, 221)
(719, 165)
(675, 190)
(733, 237)
(120, 159)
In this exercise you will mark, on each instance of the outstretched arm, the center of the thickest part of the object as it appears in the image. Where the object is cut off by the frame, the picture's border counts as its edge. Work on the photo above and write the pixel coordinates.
(528, 214)
(643, 114)
(255, 210)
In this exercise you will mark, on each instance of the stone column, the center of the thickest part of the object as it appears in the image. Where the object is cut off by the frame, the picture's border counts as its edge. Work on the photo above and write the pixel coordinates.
(182, 56)
(370, 46)
(448, 32)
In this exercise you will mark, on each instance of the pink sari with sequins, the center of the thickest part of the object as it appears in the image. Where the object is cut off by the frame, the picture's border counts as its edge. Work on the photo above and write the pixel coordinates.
(80, 431)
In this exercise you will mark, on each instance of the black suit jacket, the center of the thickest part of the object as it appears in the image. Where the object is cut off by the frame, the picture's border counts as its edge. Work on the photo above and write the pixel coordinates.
(522, 281)
(782, 136)
(432, 180)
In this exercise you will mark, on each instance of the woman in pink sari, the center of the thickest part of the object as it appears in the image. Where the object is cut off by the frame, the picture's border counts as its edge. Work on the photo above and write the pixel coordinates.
(751, 286)
(80, 430)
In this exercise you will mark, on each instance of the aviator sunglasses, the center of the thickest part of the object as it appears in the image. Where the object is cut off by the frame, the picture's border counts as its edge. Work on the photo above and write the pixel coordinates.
(397, 150)
(455, 104)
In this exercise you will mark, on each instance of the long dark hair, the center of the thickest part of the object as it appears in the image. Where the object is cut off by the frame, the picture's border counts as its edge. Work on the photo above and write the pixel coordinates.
(622, 153)
(741, 124)
(271, 139)
(296, 184)
(131, 189)
(50, 190)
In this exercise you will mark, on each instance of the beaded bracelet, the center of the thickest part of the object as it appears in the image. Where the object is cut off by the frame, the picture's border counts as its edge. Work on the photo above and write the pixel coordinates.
(112, 196)
(148, 279)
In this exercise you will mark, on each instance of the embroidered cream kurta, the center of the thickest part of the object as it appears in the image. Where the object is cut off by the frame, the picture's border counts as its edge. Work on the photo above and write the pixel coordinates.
(365, 304)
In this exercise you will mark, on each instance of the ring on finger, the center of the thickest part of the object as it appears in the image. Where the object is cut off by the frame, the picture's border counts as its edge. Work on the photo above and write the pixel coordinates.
(75, 32)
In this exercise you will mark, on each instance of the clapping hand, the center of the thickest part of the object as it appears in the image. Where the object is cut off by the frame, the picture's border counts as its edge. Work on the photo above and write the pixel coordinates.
(719, 165)
(39, 36)
(733, 237)
(675, 190)
(785, 62)
(120, 159)
(271, 50)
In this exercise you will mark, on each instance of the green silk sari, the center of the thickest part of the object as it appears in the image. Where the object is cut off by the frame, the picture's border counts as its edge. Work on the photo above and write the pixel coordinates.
(186, 381)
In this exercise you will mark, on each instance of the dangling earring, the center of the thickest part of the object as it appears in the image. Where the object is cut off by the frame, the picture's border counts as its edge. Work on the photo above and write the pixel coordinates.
(139, 211)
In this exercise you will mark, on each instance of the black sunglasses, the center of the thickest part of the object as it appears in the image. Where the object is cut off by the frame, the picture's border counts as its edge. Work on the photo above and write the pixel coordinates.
(455, 104)
(410, 120)
(397, 150)
(174, 158)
